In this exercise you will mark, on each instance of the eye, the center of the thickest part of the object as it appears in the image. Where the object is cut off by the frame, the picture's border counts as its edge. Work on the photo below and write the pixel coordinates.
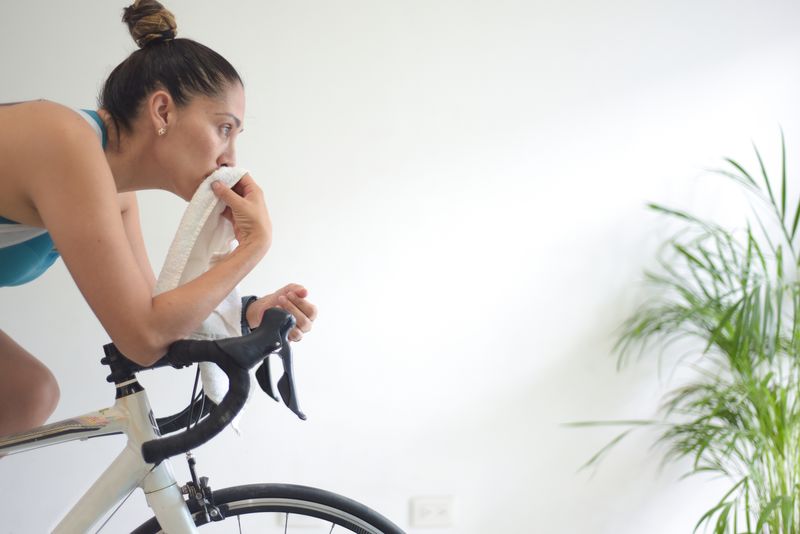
(226, 130)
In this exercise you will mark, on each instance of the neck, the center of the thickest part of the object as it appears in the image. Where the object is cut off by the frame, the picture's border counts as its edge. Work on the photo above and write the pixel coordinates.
(127, 156)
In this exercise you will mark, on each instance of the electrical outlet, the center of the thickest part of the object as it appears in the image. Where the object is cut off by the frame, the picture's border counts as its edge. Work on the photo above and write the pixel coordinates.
(432, 511)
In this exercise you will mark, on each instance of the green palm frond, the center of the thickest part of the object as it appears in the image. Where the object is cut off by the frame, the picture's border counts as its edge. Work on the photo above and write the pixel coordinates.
(735, 292)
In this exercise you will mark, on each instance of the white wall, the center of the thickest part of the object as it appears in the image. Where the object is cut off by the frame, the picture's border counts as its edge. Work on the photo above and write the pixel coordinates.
(461, 186)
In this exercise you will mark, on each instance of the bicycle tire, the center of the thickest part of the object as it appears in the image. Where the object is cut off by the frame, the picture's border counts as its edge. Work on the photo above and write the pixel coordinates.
(285, 501)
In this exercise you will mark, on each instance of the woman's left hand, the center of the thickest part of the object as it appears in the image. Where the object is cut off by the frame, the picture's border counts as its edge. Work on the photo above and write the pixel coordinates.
(291, 298)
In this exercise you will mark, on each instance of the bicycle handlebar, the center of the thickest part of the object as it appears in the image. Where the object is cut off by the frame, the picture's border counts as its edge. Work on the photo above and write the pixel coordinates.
(235, 356)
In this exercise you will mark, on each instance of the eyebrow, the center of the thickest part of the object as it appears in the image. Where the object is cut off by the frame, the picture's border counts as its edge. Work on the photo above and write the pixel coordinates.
(234, 117)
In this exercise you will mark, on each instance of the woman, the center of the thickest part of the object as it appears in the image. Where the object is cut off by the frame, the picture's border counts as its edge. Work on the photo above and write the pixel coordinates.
(169, 116)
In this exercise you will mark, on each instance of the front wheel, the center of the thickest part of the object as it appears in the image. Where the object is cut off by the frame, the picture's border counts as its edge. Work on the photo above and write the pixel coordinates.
(280, 508)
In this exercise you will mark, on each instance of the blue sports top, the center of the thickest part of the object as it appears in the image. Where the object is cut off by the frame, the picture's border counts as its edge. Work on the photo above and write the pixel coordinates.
(25, 251)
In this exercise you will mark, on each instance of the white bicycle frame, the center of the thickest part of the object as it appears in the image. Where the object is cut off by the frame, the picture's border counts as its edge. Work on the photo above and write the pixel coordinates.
(131, 415)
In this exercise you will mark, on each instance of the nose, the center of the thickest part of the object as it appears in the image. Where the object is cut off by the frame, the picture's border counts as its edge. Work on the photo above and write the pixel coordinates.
(227, 158)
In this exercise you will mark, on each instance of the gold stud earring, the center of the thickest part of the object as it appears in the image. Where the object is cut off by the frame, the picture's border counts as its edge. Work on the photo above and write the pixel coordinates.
(162, 131)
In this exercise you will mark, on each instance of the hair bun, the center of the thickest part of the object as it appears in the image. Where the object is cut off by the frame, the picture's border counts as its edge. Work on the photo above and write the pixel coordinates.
(149, 22)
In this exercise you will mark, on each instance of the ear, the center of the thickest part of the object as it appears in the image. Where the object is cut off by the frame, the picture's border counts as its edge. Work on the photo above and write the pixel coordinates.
(160, 109)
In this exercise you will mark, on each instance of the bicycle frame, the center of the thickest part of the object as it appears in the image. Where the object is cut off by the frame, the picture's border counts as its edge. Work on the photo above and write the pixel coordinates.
(131, 415)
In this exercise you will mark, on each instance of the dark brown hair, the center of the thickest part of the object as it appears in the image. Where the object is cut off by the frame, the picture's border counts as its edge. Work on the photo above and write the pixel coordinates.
(183, 67)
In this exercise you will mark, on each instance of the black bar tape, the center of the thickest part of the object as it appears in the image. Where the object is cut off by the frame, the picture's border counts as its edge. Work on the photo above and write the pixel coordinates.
(158, 450)
(235, 356)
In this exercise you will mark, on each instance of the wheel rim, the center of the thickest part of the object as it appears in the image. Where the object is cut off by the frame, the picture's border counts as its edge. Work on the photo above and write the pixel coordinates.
(281, 514)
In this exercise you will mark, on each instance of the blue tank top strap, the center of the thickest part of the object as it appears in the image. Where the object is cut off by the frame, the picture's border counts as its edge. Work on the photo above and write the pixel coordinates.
(97, 124)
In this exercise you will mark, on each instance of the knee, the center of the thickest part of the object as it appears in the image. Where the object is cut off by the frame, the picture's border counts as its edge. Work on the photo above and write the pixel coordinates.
(37, 396)
(45, 395)
(29, 392)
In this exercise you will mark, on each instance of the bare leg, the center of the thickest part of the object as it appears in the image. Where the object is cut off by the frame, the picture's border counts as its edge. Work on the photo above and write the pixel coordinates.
(28, 390)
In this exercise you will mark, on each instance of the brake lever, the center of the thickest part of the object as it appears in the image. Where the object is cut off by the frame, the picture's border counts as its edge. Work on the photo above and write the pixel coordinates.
(265, 379)
(286, 386)
(286, 383)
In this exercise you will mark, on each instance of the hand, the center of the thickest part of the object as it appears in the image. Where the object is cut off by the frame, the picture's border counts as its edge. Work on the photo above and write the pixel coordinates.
(247, 212)
(291, 298)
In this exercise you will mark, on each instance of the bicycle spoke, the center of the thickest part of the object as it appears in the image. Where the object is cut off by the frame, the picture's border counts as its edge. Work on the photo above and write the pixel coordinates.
(272, 509)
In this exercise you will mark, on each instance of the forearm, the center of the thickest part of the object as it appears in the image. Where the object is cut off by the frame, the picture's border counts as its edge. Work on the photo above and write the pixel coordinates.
(176, 313)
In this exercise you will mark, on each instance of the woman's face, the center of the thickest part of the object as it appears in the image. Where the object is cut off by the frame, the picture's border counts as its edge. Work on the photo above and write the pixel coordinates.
(202, 138)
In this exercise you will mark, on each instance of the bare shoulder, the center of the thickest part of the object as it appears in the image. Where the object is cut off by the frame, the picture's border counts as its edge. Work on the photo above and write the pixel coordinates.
(45, 118)
(43, 146)
(63, 126)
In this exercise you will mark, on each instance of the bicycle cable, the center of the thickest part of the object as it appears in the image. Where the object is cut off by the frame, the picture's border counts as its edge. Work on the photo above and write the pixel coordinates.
(193, 399)
(123, 500)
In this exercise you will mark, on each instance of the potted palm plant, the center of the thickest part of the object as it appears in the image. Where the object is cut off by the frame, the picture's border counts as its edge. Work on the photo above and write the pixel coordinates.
(736, 293)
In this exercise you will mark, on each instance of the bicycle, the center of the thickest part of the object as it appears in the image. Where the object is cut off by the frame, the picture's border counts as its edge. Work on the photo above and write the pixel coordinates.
(144, 462)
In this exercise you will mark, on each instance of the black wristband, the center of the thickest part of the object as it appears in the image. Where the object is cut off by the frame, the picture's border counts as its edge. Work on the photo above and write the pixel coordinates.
(246, 302)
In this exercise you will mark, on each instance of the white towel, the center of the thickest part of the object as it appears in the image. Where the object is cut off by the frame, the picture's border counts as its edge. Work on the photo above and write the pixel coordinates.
(203, 238)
